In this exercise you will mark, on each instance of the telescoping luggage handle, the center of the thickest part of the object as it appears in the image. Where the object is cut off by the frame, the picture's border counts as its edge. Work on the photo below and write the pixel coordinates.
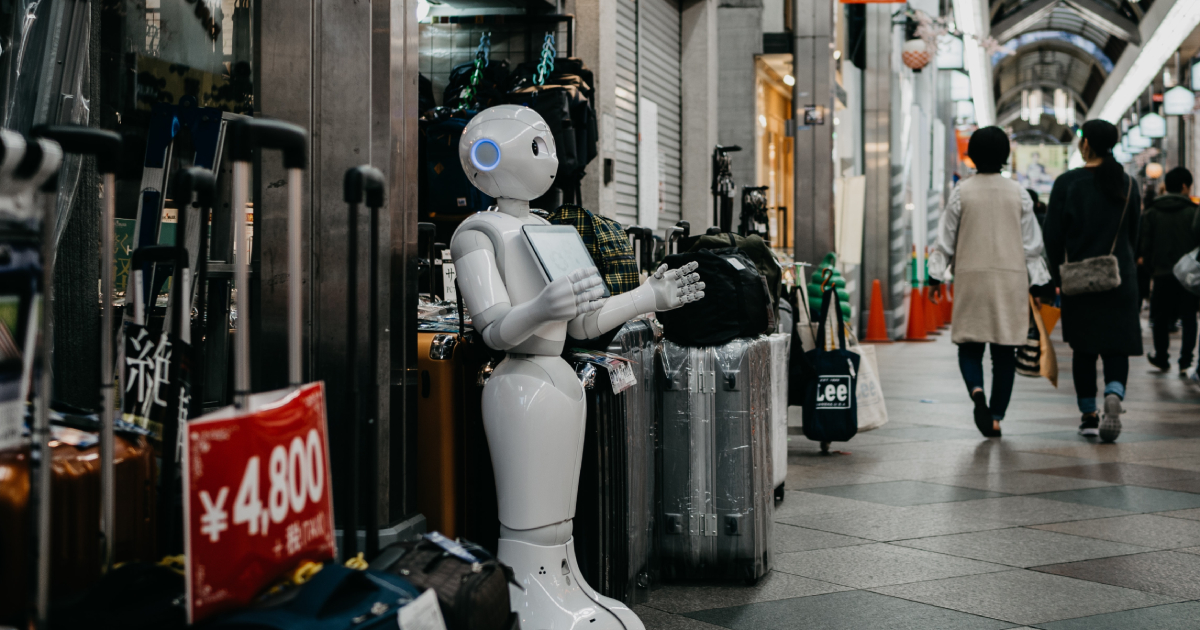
(196, 186)
(38, 169)
(246, 135)
(681, 230)
(643, 243)
(106, 147)
(362, 183)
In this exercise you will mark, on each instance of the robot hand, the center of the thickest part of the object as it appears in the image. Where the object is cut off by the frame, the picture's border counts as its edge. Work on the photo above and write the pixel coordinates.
(675, 287)
(567, 297)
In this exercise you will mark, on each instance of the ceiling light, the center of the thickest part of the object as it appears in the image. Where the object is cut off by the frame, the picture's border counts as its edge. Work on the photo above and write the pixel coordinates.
(1025, 105)
(1122, 155)
(1060, 106)
(1035, 107)
(1137, 140)
(1181, 19)
(1178, 101)
(789, 80)
(1153, 126)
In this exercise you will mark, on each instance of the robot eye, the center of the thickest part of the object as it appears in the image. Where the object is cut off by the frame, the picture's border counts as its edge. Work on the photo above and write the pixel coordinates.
(540, 148)
(535, 147)
(485, 155)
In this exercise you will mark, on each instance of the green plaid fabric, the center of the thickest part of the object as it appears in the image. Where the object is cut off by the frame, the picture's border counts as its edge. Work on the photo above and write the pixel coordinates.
(607, 244)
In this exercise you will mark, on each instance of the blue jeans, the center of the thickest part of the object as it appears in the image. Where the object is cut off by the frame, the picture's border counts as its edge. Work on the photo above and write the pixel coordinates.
(1004, 372)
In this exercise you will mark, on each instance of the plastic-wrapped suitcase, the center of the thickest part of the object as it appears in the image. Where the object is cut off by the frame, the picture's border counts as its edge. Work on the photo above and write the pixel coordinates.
(615, 508)
(780, 344)
(715, 477)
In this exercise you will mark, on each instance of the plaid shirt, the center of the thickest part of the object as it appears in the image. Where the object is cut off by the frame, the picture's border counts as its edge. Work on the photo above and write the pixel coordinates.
(607, 244)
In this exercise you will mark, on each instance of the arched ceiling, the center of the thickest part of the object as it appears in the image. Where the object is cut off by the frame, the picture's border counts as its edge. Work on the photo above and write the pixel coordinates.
(1071, 44)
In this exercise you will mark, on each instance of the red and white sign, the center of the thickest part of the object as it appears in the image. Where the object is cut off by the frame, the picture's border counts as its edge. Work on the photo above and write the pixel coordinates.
(258, 497)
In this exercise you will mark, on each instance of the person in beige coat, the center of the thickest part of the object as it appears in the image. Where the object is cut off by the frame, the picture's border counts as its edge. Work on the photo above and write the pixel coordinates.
(989, 242)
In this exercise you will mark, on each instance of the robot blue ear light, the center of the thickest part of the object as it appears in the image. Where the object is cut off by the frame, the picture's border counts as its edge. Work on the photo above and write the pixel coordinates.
(485, 154)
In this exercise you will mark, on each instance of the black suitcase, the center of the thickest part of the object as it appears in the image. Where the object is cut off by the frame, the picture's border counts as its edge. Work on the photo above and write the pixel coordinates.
(614, 518)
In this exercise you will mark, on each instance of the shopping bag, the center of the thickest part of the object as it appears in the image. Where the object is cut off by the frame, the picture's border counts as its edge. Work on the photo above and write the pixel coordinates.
(830, 405)
(872, 410)
(1050, 316)
(1029, 356)
(1048, 361)
(1187, 271)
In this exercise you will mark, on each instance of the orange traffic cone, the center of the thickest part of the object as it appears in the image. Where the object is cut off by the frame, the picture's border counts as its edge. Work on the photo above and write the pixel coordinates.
(916, 318)
(931, 317)
(876, 325)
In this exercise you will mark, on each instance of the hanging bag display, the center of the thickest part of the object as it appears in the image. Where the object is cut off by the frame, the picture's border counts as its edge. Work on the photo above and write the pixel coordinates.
(1098, 273)
(830, 402)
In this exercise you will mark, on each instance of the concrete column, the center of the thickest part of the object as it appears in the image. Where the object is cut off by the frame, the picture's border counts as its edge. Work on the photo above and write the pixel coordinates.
(813, 69)
(699, 69)
(595, 44)
(740, 35)
(877, 136)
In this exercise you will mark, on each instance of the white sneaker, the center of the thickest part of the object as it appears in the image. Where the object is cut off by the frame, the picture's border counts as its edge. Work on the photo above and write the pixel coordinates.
(1110, 421)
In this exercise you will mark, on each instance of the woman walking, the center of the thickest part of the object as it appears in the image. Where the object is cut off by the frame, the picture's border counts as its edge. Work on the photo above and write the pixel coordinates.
(989, 240)
(1093, 218)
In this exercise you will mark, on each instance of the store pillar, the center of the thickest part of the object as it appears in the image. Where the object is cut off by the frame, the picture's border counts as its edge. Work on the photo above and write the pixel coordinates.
(812, 104)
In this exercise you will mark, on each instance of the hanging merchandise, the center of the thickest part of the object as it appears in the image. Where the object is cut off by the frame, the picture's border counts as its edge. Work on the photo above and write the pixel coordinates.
(479, 83)
(829, 262)
(915, 54)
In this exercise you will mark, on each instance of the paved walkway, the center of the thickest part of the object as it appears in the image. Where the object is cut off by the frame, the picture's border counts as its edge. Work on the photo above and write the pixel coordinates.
(929, 526)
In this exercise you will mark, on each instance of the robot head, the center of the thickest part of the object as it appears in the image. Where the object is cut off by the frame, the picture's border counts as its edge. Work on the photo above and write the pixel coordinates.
(508, 151)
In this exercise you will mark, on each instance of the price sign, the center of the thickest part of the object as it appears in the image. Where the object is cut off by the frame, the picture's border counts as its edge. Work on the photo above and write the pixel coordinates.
(259, 497)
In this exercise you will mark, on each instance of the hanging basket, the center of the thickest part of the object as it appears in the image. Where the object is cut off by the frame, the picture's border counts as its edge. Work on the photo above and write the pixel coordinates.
(916, 54)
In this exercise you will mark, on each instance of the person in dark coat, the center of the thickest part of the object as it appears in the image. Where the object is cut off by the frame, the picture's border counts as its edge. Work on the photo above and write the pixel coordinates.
(1089, 208)
(1166, 237)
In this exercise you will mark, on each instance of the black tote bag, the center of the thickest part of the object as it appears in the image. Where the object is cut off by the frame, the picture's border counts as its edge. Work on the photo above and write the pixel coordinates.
(830, 407)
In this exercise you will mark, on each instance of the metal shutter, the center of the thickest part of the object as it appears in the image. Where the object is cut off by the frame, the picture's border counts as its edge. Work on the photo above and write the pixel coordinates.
(625, 177)
(658, 81)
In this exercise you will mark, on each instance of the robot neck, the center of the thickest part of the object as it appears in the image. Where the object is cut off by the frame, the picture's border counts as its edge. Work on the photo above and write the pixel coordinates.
(518, 208)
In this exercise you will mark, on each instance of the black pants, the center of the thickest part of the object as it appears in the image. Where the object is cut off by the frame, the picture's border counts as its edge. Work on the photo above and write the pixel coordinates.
(1004, 370)
(1083, 369)
(1169, 302)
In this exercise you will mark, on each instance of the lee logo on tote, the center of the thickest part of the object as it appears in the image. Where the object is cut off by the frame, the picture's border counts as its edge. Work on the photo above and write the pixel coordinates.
(833, 392)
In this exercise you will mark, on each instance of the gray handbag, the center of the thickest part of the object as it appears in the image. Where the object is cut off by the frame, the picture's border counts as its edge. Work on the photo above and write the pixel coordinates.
(1098, 273)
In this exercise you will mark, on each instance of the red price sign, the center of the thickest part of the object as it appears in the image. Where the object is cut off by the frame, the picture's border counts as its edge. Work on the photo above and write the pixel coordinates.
(259, 500)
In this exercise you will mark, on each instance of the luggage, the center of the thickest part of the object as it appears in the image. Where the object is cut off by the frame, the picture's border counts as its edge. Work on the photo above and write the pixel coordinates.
(471, 584)
(614, 514)
(715, 475)
(780, 345)
(489, 91)
(830, 407)
(736, 301)
(336, 598)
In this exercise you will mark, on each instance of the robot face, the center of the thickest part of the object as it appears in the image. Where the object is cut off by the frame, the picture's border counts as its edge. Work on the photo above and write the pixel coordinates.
(508, 151)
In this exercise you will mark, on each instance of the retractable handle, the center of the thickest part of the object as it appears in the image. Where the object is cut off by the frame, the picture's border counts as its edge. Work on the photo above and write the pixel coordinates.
(247, 135)
(37, 166)
(427, 232)
(362, 184)
(106, 147)
(152, 254)
(643, 239)
(197, 187)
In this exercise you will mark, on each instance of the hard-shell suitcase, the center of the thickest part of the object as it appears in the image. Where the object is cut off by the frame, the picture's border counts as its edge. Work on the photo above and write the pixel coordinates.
(715, 460)
(614, 517)
(780, 345)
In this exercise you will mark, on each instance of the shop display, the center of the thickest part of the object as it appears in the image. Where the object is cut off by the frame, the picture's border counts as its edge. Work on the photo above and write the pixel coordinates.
(716, 486)
(535, 442)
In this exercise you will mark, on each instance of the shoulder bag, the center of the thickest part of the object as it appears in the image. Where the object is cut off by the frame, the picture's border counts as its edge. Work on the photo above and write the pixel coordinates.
(1098, 273)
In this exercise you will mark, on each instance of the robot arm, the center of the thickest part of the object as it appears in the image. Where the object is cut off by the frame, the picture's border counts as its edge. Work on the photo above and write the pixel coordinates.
(502, 325)
(665, 290)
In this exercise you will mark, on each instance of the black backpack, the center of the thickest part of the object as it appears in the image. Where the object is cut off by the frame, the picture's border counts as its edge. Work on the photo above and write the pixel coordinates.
(489, 92)
(449, 195)
(736, 302)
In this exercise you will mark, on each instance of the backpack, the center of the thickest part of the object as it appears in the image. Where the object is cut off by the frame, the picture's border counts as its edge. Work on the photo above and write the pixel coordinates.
(490, 90)
(754, 248)
(735, 304)
(606, 242)
(449, 196)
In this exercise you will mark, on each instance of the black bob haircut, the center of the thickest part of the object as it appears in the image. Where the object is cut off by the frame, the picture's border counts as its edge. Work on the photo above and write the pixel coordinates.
(989, 149)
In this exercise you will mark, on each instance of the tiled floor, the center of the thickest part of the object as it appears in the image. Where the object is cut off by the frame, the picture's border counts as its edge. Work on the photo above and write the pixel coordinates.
(926, 525)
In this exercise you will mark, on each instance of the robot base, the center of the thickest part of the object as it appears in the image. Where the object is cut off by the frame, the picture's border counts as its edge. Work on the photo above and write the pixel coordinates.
(556, 597)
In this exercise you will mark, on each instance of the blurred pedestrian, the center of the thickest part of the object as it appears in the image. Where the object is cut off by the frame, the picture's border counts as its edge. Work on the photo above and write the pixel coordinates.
(1093, 217)
(989, 241)
(1166, 236)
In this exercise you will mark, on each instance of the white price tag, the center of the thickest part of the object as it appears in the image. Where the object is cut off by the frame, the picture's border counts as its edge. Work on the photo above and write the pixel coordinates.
(422, 613)
(735, 263)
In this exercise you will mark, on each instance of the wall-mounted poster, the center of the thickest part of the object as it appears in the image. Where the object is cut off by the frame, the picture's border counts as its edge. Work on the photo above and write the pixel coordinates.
(1036, 166)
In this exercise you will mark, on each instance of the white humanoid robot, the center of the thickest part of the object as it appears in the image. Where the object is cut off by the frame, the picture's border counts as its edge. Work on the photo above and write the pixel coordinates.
(533, 404)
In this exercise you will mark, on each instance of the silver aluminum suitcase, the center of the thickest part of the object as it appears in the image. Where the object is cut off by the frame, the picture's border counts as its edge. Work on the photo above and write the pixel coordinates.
(716, 479)
(780, 344)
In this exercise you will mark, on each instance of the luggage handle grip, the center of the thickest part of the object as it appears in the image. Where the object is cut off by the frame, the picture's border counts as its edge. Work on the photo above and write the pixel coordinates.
(250, 133)
(33, 160)
(363, 183)
(199, 186)
(105, 145)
